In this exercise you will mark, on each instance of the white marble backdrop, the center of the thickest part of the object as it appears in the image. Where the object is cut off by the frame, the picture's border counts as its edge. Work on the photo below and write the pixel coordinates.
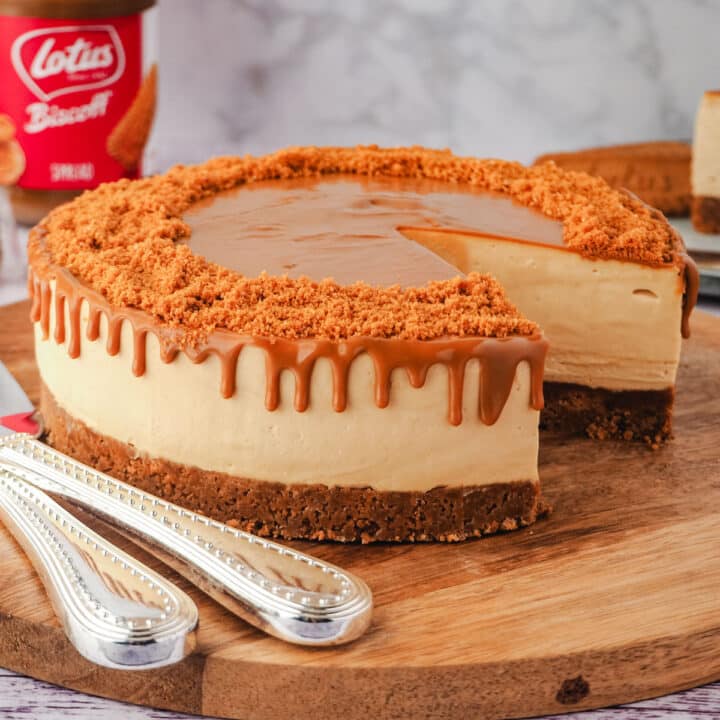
(507, 78)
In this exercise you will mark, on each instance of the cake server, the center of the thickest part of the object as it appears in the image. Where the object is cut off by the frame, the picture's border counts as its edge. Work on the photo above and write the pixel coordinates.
(286, 593)
(115, 611)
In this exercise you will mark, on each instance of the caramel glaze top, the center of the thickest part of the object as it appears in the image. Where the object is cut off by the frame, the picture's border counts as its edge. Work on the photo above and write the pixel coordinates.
(351, 228)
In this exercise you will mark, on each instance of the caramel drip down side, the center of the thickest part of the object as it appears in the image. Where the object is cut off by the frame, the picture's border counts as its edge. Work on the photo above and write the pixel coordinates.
(498, 358)
(692, 287)
(40, 294)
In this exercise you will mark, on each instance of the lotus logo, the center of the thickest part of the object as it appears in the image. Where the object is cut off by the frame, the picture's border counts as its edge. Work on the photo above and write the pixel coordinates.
(58, 61)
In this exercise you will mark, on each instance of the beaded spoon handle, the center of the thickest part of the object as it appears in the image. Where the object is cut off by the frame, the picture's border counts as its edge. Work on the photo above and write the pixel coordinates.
(115, 611)
(286, 593)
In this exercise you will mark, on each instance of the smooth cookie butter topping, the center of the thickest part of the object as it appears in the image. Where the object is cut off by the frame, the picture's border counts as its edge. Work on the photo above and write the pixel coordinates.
(350, 228)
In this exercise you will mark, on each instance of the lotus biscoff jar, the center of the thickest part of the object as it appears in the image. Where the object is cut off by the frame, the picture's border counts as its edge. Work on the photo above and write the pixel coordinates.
(77, 97)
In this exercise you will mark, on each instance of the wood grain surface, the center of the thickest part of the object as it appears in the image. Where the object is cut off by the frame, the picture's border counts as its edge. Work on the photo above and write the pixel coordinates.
(616, 597)
(23, 698)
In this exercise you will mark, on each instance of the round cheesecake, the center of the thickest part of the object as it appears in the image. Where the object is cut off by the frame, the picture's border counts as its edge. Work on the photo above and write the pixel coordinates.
(346, 344)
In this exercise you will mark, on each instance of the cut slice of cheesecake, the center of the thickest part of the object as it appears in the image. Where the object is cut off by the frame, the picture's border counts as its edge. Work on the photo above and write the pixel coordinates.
(706, 165)
(191, 341)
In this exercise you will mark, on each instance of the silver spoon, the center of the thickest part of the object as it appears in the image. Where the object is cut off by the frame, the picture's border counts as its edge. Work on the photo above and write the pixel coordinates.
(115, 611)
(286, 593)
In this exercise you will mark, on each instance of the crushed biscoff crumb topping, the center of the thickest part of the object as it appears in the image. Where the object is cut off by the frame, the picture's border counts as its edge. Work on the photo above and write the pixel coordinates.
(122, 240)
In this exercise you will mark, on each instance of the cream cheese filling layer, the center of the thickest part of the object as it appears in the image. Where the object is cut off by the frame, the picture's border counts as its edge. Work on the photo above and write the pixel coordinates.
(175, 411)
(610, 324)
(705, 173)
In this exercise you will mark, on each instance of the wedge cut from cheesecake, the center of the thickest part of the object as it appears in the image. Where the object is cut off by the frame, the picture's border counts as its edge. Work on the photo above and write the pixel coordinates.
(706, 165)
(190, 340)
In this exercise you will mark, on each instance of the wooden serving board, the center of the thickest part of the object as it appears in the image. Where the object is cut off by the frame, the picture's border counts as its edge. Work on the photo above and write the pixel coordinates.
(614, 598)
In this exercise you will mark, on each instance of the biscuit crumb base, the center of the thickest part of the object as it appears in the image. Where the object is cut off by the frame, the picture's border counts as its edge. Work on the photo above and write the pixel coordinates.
(705, 214)
(311, 512)
(630, 415)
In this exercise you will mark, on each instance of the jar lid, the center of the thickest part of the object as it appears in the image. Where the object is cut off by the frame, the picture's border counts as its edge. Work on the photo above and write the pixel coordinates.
(73, 9)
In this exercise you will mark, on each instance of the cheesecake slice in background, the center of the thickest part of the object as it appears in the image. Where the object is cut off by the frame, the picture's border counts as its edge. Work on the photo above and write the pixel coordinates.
(706, 165)
(657, 172)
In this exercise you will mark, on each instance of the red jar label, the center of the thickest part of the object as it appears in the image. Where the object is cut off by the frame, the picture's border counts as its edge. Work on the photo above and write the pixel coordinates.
(67, 86)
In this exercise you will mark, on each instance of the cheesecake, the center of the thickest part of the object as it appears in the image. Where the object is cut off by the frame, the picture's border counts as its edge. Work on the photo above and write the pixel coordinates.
(657, 172)
(351, 343)
(706, 165)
